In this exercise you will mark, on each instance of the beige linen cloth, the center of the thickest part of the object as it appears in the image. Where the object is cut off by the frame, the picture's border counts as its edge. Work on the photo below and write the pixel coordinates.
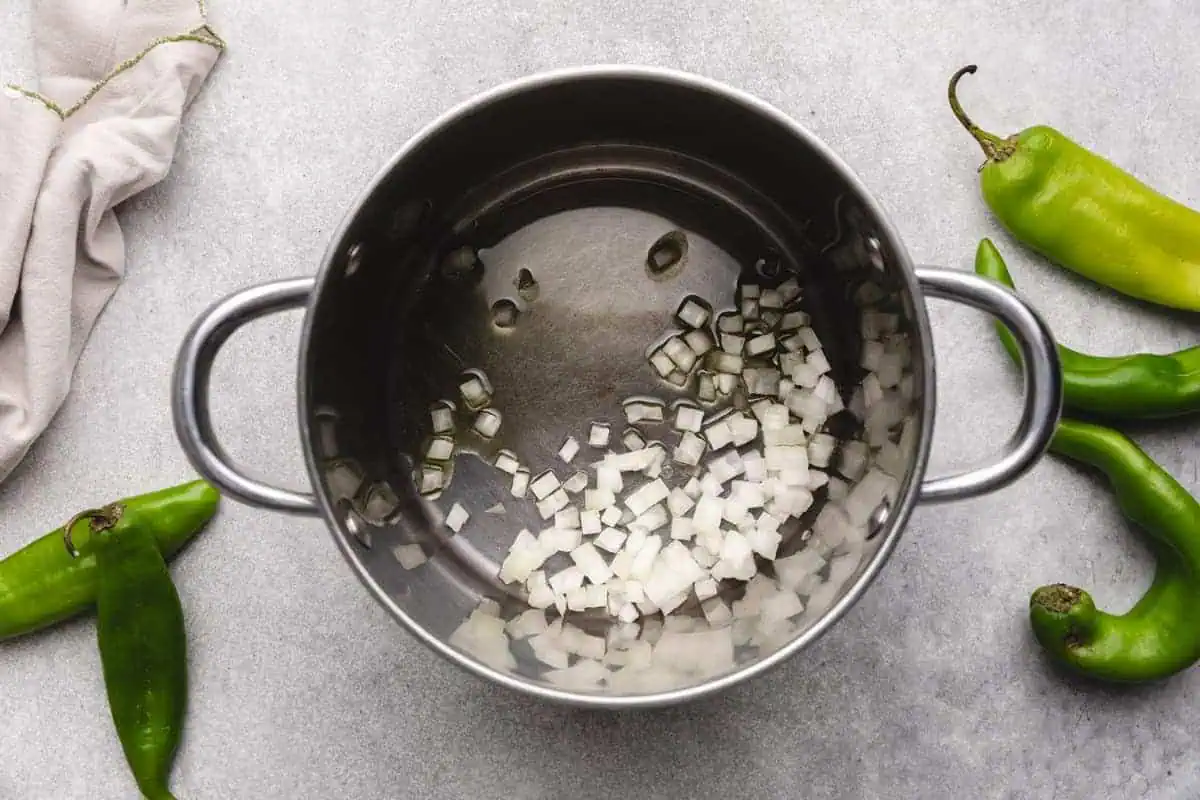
(115, 77)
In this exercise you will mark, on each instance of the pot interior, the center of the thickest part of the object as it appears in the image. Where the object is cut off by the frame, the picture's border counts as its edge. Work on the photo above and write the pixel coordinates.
(590, 184)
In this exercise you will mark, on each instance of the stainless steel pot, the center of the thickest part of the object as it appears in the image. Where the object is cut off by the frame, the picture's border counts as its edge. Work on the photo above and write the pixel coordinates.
(573, 175)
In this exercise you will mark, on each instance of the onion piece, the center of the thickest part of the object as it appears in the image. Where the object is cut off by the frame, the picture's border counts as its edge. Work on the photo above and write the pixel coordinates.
(568, 518)
(498, 508)
(662, 363)
(598, 434)
(441, 448)
(764, 542)
(559, 540)
(475, 392)
(749, 308)
(733, 343)
(692, 488)
(643, 411)
(742, 429)
(526, 555)
(692, 313)
(632, 439)
(431, 479)
(556, 501)
(410, 556)
(506, 461)
(759, 345)
(718, 434)
(538, 591)
(817, 360)
(649, 495)
(530, 622)
(809, 338)
(770, 298)
(610, 539)
(611, 515)
(761, 381)
(598, 499)
(682, 528)
(544, 484)
(576, 483)
(793, 320)
(724, 361)
(608, 478)
(679, 503)
(589, 522)
(487, 423)
(456, 517)
(441, 416)
(569, 449)
(688, 418)
(591, 563)
(852, 461)
(680, 354)
(690, 450)
(567, 579)
(652, 519)
(789, 290)
(730, 323)
(754, 466)
(699, 342)
(520, 483)
(726, 383)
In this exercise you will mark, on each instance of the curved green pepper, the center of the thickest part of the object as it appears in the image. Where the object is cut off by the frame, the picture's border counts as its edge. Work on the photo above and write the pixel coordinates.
(143, 649)
(1160, 635)
(41, 584)
(1088, 215)
(1137, 386)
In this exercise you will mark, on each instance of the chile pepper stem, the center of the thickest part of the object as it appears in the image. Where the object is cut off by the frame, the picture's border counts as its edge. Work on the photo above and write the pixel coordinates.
(995, 148)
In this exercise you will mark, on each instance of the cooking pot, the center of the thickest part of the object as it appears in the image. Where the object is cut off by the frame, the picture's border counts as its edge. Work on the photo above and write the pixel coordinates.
(539, 237)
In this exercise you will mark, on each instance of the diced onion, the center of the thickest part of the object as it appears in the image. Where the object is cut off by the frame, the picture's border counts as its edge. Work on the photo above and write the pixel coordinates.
(520, 482)
(506, 461)
(699, 341)
(690, 450)
(475, 391)
(431, 479)
(589, 522)
(442, 417)
(544, 484)
(569, 449)
(692, 313)
(730, 323)
(487, 423)
(567, 518)
(598, 434)
(576, 483)
(632, 439)
(556, 501)
(643, 411)
(652, 493)
(456, 517)
(761, 344)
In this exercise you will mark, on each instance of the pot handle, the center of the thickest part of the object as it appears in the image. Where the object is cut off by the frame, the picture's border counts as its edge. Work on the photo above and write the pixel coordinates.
(189, 391)
(1040, 370)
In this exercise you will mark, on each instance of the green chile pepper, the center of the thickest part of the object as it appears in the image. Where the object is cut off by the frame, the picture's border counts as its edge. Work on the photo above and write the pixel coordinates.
(41, 584)
(143, 648)
(1088, 215)
(1137, 386)
(1160, 635)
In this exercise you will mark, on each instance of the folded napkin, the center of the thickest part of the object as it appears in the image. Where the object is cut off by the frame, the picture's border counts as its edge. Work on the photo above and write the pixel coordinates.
(115, 77)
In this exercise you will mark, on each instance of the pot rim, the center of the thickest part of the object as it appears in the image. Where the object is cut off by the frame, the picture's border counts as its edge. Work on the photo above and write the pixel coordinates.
(897, 519)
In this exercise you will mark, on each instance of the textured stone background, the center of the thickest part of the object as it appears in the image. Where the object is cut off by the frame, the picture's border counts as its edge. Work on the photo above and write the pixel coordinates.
(931, 687)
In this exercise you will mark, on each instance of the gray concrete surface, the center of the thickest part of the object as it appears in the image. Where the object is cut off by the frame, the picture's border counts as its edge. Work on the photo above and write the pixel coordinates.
(930, 688)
